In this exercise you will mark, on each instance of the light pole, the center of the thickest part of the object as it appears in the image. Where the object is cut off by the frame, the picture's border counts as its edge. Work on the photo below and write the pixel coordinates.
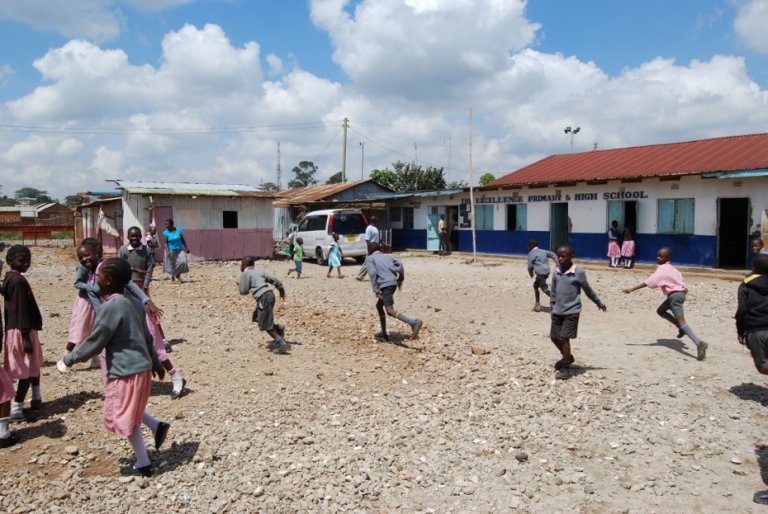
(572, 132)
(362, 160)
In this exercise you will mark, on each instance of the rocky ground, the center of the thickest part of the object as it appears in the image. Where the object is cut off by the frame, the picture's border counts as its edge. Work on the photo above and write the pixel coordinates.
(466, 418)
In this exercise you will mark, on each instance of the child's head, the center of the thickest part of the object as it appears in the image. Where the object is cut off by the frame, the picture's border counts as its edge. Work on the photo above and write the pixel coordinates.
(564, 256)
(96, 244)
(169, 224)
(114, 274)
(335, 236)
(300, 240)
(134, 236)
(760, 264)
(664, 255)
(87, 254)
(757, 245)
(247, 262)
(532, 244)
(151, 230)
(19, 258)
(615, 223)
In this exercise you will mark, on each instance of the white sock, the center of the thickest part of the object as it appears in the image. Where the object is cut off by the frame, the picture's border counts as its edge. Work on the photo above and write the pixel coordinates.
(5, 433)
(172, 372)
(151, 422)
(137, 443)
(17, 407)
(36, 395)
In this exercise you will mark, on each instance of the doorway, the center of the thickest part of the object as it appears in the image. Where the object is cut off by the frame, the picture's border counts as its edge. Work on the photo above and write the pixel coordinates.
(732, 232)
(558, 225)
(623, 212)
(453, 228)
(433, 237)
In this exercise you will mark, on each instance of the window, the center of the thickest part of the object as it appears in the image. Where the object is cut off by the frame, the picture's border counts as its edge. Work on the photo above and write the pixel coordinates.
(316, 222)
(465, 220)
(675, 216)
(395, 214)
(517, 216)
(408, 217)
(230, 219)
(345, 223)
(484, 217)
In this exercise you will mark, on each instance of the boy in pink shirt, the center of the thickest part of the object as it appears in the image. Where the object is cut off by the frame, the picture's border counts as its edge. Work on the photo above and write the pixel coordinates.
(670, 281)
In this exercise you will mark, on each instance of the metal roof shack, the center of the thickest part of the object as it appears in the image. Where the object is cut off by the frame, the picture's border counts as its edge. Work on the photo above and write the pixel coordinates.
(326, 195)
(722, 157)
(190, 189)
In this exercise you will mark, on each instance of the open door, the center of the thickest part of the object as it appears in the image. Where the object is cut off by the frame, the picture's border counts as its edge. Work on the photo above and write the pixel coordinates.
(558, 225)
(433, 237)
(733, 232)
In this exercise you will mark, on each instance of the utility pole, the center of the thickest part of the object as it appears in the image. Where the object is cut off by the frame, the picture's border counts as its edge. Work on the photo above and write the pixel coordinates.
(449, 156)
(415, 153)
(362, 160)
(344, 152)
(472, 216)
(279, 171)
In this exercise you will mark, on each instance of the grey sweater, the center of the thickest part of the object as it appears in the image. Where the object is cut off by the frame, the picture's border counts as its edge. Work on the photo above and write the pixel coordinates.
(119, 328)
(257, 282)
(384, 271)
(537, 261)
(566, 290)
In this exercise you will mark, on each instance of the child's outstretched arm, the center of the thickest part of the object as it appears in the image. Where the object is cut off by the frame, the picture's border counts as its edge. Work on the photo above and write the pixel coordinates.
(638, 286)
(592, 295)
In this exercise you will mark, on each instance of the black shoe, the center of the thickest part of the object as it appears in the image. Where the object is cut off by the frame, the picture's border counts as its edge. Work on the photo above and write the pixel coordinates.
(761, 497)
(162, 431)
(381, 336)
(562, 364)
(9, 441)
(415, 328)
(280, 330)
(145, 471)
(36, 404)
(680, 334)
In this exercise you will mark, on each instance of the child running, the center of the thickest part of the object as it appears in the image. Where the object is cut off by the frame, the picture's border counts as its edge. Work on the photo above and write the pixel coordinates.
(334, 257)
(670, 281)
(298, 256)
(387, 274)
(538, 264)
(131, 360)
(23, 353)
(567, 284)
(257, 284)
(752, 314)
(141, 261)
(83, 309)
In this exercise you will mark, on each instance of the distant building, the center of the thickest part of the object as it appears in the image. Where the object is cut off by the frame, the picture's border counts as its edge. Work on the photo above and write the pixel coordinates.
(36, 221)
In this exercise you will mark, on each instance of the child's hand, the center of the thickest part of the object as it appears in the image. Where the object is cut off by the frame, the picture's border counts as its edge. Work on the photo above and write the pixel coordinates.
(741, 339)
(156, 311)
(604, 308)
(627, 290)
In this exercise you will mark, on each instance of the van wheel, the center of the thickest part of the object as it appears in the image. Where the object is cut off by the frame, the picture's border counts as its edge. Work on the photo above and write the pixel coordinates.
(359, 260)
(319, 256)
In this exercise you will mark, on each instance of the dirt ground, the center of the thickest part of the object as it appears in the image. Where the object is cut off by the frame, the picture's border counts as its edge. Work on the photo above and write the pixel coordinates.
(466, 418)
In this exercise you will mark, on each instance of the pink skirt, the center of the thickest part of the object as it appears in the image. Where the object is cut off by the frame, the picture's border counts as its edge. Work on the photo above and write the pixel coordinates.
(6, 387)
(17, 363)
(613, 249)
(82, 320)
(157, 337)
(125, 400)
(628, 249)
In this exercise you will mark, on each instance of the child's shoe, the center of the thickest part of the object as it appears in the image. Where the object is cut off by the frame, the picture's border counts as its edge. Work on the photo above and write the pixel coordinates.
(563, 374)
(282, 346)
(36, 404)
(701, 351)
(563, 364)
(161, 433)
(416, 327)
(9, 441)
(167, 346)
(17, 411)
(537, 307)
(178, 386)
(280, 330)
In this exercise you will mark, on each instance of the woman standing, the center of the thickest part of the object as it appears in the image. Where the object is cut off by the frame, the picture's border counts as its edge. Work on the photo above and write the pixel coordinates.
(175, 262)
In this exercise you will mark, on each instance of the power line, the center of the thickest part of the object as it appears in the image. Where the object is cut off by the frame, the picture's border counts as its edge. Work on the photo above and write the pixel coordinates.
(170, 131)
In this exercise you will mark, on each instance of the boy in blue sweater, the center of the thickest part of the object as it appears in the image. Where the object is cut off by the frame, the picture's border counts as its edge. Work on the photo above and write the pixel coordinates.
(538, 264)
(386, 275)
(567, 284)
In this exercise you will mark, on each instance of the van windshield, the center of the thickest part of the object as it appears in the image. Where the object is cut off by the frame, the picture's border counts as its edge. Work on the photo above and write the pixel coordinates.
(348, 223)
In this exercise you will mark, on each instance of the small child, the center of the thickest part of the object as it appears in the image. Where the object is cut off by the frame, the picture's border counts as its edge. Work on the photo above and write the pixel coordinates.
(150, 238)
(628, 247)
(334, 257)
(297, 256)
(670, 281)
(131, 360)
(386, 274)
(83, 309)
(23, 353)
(257, 284)
(538, 264)
(567, 284)
(614, 251)
(752, 313)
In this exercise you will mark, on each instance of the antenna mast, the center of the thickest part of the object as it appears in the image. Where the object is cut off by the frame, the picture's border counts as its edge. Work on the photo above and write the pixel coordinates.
(279, 171)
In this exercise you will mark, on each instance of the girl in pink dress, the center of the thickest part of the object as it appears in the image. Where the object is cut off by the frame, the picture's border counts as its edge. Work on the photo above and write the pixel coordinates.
(628, 247)
(614, 252)
(121, 332)
(83, 311)
(23, 353)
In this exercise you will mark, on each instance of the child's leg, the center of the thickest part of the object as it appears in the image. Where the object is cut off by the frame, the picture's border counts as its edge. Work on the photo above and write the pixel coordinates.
(338, 270)
(176, 379)
(159, 429)
(382, 316)
(536, 294)
(137, 443)
(415, 324)
(21, 390)
(37, 396)
(328, 275)
(663, 311)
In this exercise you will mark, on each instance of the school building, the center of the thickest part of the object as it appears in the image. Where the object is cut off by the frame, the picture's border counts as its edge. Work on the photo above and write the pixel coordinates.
(704, 199)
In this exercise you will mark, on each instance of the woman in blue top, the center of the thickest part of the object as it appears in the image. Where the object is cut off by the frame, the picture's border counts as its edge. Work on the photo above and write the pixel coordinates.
(175, 262)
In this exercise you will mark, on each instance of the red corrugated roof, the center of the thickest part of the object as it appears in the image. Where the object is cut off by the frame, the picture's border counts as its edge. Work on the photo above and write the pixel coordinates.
(733, 153)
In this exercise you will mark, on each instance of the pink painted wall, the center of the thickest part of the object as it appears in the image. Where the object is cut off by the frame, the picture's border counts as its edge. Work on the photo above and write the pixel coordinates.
(228, 244)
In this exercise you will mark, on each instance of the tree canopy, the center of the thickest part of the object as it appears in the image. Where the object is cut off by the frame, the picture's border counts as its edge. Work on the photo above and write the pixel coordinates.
(73, 201)
(38, 195)
(410, 176)
(486, 177)
(304, 172)
(270, 187)
(334, 179)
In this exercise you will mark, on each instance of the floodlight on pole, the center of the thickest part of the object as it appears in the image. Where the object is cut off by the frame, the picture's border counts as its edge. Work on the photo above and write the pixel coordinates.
(572, 132)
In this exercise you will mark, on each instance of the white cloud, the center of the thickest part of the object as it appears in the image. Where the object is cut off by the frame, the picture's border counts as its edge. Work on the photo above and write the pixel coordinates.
(750, 24)
(6, 72)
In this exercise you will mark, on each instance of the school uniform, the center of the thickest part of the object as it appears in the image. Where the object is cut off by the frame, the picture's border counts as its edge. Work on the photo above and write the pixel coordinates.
(257, 284)
(752, 317)
(22, 316)
(565, 301)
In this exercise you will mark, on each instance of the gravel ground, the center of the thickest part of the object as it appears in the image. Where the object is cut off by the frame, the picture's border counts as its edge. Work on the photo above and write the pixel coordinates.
(466, 418)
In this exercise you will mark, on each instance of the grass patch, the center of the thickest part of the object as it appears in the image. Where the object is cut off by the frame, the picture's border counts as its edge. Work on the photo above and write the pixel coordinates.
(11, 236)
(62, 235)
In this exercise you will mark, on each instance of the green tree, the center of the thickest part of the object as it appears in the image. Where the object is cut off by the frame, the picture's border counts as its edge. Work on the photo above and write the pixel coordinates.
(334, 179)
(384, 178)
(38, 195)
(486, 177)
(408, 176)
(304, 172)
(269, 187)
(73, 201)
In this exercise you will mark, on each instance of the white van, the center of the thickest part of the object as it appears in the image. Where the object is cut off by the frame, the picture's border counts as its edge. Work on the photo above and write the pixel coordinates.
(316, 229)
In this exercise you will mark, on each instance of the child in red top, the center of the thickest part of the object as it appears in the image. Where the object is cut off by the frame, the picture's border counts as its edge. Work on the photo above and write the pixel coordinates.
(670, 281)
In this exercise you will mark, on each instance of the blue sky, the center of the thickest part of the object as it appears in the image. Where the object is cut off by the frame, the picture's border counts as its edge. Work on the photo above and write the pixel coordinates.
(203, 90)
